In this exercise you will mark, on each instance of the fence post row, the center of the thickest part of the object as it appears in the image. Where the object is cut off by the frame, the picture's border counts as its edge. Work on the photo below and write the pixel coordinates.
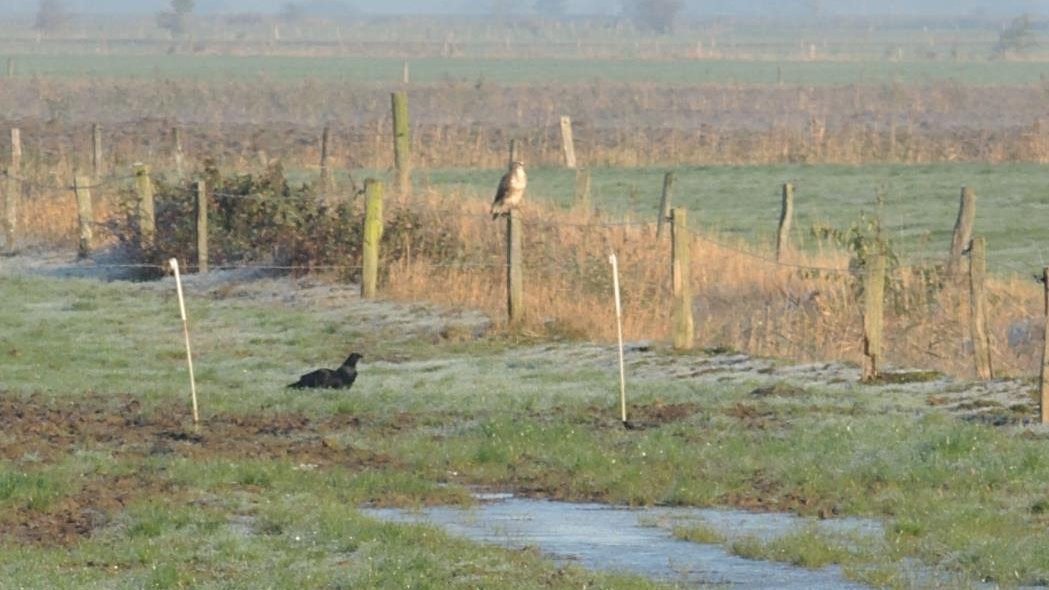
(13, 193)
(402, 143)
(681, 278)
(873, 316)
(963, 228)
(664, 202)
(1043, 382)
(978, 306)
(202, 227)
(85, 215)
(567, 143)
(514, 270)
(373, 190)
(786, 218)
(147, 224)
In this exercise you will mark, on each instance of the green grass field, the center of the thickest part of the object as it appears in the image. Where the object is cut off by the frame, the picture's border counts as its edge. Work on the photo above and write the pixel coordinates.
(266, 492)
(526, 71)
(919, 204)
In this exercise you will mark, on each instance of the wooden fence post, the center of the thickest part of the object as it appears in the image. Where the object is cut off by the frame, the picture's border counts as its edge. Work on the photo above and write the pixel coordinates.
(85, 215)
(963, 228)
(202, 227)
(1043, 386)
(567, 143)
(873, 316)
(96, 151)
(402, 143)
(373, 190)
(978, 306)
(13, 193)
(582, 189)
(326, 178)
(147, 223)
(681, 277)
(10, 67)
(514, 270)
(515, 151)
(664, 202)
(406, 75)
(176, 148)
(786, 217)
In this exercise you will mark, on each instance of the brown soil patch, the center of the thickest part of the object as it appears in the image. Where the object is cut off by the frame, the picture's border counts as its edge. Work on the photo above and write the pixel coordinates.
(47, 432)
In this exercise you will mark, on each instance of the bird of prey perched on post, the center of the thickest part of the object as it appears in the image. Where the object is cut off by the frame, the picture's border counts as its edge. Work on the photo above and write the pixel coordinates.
(511, 190)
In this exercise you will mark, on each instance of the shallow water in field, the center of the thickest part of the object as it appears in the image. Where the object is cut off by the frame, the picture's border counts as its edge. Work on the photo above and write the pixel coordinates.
(637, 541)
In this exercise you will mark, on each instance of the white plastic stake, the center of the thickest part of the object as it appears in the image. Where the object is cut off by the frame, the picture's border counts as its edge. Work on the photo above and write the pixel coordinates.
(619, 327)
(185, 332)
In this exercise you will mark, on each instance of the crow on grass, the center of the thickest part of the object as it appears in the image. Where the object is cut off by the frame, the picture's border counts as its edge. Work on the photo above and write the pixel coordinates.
(341, 378)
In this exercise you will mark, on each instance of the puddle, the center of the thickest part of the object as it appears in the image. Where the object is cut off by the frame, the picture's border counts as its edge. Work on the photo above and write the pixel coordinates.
(637, 541)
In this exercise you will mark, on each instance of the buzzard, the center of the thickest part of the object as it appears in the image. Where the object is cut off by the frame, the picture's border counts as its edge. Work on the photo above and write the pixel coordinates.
(341, 378)
(511, 190)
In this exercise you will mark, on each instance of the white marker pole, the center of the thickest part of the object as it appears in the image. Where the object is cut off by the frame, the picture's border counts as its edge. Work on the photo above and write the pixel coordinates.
(619, 326)
(185, 331)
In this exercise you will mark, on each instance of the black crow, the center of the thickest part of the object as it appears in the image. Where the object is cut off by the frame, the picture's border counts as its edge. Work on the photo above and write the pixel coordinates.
(341, 378)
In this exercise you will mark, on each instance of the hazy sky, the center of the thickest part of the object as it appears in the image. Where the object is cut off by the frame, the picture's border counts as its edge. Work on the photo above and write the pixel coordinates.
(939, 7)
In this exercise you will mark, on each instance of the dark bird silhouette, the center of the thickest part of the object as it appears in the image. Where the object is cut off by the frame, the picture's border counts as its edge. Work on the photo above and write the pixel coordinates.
(511, 190)
(341, 378)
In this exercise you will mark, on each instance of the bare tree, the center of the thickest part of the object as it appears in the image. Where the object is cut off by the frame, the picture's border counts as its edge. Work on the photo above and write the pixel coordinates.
(1016, 39)
(654, 15)
(176, 20)
(551, 8)
(292, 12)
(51, 15)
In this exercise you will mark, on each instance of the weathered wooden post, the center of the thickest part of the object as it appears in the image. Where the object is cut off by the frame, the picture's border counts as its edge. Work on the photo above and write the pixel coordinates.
(402, 143)
(582, 189)
(10, 67)
(978, 306)
(176, 148)
(13, 193)
(786, 217)
(96, 151)
(147, 223)
(85, 215)
(515, 151)
(202, 227)
(1043, 386)
(963, 228)
(567, 143)
(681, 279)
(873, 316)
(406, 76)
(326, 178)
(373, 190)
(664, 202)
(514, 269)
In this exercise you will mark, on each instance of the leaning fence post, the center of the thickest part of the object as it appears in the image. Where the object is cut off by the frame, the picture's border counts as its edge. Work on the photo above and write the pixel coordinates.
(85, 216)
(96, 151)
(664, 202)
(567, 143)
(402, 143)
(1043, 385)
(13, 193)
(786, 217)
(873, 316)
(514, 271)
(681, 275)
(202, 227)
(146, 212)
(978, 306)
(582, 189)
(372, 237)
(963, 227)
